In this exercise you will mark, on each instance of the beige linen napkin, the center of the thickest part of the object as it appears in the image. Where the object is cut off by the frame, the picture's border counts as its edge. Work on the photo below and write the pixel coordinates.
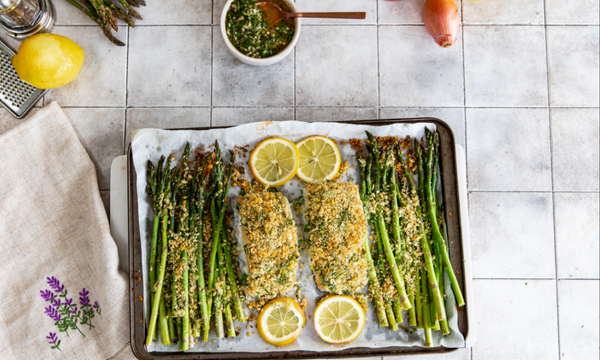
(53, 224)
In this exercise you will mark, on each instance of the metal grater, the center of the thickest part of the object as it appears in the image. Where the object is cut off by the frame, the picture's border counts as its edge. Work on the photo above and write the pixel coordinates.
(15, 95)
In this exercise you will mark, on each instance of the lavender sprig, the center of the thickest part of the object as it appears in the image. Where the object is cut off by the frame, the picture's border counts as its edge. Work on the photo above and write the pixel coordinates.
(97, 307)
(66, 312)
(52, 313)
(53, 341)
(87, 310)
(55, 284)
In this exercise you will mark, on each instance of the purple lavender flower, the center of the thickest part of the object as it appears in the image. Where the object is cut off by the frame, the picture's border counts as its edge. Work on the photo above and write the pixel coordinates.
(84, 299)
(53, 341)
(74, 310)
(68, 302)
(52, 338)
(97, 307)
(47, 295)
(52, 313)
(55, 284)
(57, 303)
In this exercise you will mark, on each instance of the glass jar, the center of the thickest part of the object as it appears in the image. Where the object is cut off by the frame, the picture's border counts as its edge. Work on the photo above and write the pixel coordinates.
(19, 14)
(23, 18)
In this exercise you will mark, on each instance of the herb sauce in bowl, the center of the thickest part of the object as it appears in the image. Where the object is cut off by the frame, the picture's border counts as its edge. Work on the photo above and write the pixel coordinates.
(249, 32)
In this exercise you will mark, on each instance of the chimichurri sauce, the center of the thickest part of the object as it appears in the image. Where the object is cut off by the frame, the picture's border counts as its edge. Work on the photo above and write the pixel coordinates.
(250, 33)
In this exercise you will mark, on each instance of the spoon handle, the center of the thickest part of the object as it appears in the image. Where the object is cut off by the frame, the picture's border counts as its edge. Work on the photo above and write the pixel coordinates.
(329, 15)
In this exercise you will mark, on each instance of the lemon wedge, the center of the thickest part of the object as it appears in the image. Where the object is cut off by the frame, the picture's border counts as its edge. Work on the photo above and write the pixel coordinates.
(280, 322)
(339, 319)
(319, 159)
(274, 161)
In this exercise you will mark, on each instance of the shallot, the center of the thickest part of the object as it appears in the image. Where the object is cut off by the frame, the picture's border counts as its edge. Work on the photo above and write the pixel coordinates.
(442, 20)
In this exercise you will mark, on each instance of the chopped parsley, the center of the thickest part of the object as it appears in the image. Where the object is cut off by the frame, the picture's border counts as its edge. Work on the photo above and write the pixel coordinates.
(250, 33)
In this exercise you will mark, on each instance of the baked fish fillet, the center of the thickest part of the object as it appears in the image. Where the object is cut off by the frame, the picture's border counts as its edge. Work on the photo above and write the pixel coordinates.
(270, 241)
(337, 228)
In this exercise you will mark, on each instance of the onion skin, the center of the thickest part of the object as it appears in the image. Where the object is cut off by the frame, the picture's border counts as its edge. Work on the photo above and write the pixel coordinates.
(442, 20)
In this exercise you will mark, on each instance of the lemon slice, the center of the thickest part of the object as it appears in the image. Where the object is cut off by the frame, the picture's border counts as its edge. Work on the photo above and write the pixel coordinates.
(280, 322)
(274, 161)
(319, 159)
(339, 319)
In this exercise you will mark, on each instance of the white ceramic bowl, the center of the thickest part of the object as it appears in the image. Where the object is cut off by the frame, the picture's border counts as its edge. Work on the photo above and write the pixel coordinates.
(263, 61)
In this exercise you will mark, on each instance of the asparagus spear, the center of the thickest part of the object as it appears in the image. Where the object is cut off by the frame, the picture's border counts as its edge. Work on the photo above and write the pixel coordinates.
(130, 10)
(219, 285)
(426, 314)
(196, 209)
(412, 315)
(183, 291)
(375, 287)
(437, 262)
(152, 191)
(200, 201)
(418, 305)
(161, 188)
(216, 224)
(226, 287)
(232, 278)
(437, 236)
(391, 317)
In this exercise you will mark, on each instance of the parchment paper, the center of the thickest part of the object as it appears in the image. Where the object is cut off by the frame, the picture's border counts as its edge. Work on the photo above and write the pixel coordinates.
(152, 143)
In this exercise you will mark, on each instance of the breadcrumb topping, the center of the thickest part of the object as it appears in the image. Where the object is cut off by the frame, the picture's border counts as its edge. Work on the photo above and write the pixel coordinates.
(336, 229)
(271, 242)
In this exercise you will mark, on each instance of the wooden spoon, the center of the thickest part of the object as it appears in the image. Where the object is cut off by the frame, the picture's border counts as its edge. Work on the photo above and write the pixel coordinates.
(274, 15)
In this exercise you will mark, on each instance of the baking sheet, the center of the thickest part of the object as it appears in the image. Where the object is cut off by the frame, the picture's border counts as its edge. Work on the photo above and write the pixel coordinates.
(152, 143)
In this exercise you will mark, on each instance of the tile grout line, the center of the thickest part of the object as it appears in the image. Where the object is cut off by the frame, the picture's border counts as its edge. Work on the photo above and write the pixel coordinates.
(212, 60)
(464, 67)
(324, 107)
(378, 69)
(552, 182)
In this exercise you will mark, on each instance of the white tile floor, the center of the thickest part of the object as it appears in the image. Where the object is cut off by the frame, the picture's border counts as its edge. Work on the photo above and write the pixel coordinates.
(519, 89)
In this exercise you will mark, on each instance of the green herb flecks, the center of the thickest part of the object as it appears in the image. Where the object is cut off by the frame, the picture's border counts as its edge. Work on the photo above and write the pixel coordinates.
(251, 35)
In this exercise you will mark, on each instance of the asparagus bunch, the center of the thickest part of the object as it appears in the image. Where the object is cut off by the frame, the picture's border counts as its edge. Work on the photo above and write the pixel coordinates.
(195, 278)
(410, 253)
(105, 13)
(379, 188)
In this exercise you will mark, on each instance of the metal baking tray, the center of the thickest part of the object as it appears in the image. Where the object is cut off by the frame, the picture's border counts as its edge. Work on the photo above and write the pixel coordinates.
(458, 252)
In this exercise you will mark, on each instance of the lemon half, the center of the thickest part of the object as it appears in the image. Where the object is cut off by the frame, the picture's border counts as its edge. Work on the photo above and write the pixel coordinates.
(339, 319)
(274, 161)
(280, 322)
(319, 159)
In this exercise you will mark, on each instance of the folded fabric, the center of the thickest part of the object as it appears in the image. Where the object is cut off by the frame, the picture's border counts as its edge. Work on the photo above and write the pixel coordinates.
(63, 295)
